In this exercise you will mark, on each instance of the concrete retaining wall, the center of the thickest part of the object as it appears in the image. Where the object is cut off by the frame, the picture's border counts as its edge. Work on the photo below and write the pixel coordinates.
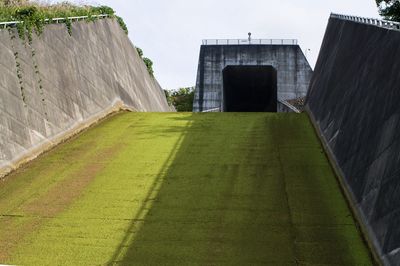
(293, 71)
(59, 84)
(354, 100)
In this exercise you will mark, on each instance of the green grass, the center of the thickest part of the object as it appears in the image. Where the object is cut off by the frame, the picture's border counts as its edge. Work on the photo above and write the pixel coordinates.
(181, 189)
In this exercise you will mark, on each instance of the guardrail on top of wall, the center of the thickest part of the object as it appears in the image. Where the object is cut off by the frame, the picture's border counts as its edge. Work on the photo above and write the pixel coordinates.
(250, 42)
(371, 21)
(289, 107)
(4, 25)
(213, 110)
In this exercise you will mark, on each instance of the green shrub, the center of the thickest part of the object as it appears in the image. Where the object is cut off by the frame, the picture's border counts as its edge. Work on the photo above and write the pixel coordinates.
(105, 10)
(147, 61)
(140, 52)
(122, 24)
(34, 14)
(26, 12)
(181, 99)
(68, 23)
(149, 65)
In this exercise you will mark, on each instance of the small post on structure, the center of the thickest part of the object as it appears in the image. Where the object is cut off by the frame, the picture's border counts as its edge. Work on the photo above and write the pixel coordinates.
(249, 37)
(307, 52)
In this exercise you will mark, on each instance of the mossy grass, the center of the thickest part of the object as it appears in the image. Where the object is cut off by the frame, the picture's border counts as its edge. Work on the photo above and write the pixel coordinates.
(181, 189)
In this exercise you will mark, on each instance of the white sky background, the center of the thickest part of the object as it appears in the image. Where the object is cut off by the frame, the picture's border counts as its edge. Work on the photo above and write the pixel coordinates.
(170, 31)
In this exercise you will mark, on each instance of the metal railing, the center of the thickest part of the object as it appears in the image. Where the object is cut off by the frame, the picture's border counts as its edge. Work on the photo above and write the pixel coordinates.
(4, 25)
(370, 21)
(213, 110)
(250, 42)
(286, 107)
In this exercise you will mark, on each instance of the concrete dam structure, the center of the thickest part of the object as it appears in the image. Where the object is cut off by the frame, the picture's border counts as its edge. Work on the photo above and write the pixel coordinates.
(223, 63)
(354, 102)
(239, 185)
(57, 84)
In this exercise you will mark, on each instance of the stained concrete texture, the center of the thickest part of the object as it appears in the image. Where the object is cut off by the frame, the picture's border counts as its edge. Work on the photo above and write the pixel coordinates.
(58, 83)
(354, 98)
(293, 71)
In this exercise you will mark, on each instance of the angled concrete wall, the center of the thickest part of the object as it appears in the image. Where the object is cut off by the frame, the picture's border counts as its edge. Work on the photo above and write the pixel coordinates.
(354, 99)
(59, 84)
(293, 71)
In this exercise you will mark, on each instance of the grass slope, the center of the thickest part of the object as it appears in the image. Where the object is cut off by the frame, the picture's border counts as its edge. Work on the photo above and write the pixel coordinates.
(173, 189)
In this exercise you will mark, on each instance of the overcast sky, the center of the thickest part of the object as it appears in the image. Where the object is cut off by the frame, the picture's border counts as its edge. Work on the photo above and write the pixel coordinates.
(170, 31)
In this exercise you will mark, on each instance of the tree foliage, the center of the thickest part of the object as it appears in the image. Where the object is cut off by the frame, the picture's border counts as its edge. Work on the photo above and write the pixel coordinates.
(139, 51)
(389, 9)
(147, 61)
(149, 65)
(122, 24)
(181, 99)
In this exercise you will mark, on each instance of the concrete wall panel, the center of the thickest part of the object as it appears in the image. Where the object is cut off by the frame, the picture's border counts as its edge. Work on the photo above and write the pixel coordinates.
(58, 84)
(354, 101)
(294, 72)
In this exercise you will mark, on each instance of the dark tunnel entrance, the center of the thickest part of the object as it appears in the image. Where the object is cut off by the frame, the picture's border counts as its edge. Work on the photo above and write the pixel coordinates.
(250, 89)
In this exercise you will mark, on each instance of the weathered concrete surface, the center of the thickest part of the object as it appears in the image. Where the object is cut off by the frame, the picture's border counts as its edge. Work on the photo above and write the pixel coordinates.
(293, 70)
(354, 100)
(59, 84)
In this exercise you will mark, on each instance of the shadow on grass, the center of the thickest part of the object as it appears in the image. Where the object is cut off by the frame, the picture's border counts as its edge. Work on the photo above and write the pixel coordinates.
(221, 198)
(209, 205)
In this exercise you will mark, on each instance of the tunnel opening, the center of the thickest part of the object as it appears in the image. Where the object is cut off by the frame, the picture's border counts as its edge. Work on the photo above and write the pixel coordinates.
(250, 89)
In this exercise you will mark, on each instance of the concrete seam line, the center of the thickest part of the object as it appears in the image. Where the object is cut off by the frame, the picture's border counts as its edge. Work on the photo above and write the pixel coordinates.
(291, 224)
(367, 234)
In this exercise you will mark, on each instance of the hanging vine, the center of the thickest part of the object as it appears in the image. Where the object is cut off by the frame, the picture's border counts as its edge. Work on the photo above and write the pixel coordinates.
(34, 16)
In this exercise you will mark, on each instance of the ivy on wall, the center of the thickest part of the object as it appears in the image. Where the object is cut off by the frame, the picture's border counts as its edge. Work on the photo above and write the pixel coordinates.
(34, 15)
(18, 68)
